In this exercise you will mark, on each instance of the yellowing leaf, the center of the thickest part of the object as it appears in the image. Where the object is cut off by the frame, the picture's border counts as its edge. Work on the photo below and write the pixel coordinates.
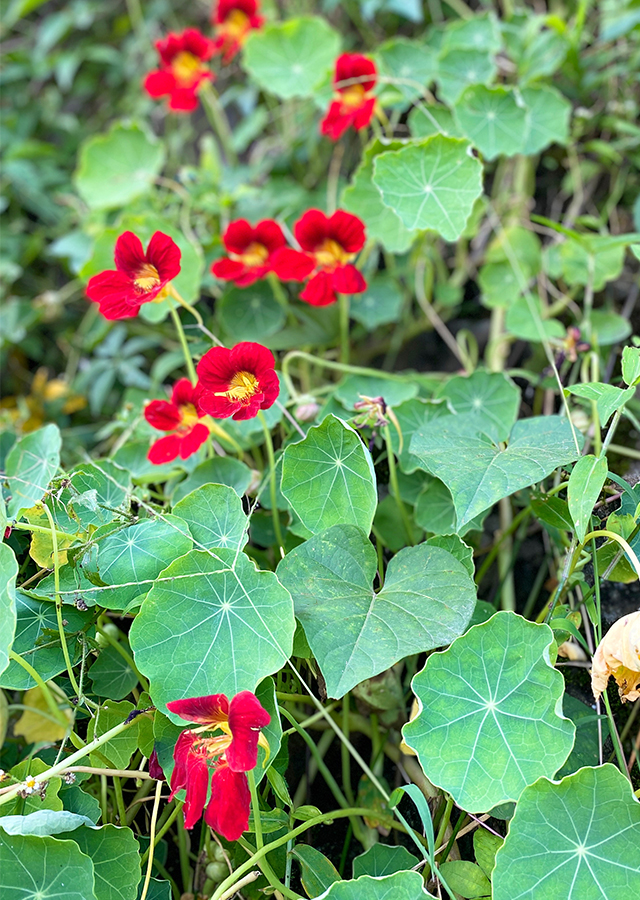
(36, 723)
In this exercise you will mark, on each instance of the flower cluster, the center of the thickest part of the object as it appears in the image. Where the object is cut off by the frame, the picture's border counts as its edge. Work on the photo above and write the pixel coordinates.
(223, 758)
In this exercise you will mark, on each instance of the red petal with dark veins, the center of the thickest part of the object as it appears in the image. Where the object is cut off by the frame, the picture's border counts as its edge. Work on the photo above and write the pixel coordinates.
(269, 234)
(238, 236)
(230, 804)
(114, 293)
(312, 229)
(181, 753)
(129, 255)
(218, 407)
(270, 384)
(163, 415)
(193, 440)
(347, 230)
(210, 710)
(215, 371)
(251, 357)
(165, 255)
(164, 450)
(319, 291)
(246, 717)
(348, 280)
(291, 265)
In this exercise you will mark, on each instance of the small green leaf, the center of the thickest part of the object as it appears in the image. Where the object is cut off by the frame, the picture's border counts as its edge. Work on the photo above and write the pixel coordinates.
(409, 66)
(490, 398)
(218, 610)
(435, 511)
(31, 464)
(577, 839)
(600, 256)
(427, 599)
(33, 868)
(490, 719)
(631, 365)
(460, 67)
(290, 59)
(607, 397)
(111, 675)
(431, 184)
(215, 517)
(485, 847)
(547, 118)
(494, 119)
(380, 303)
(410, 416)
(317, 872)
(586, 749)
(399, 886)
(8, 575)
(528, 320)
(552, 510)
(116, 167)
(585, 483)
(219, 470)
(382, 859)
(328, 478)
(250, 313)
(466, 879)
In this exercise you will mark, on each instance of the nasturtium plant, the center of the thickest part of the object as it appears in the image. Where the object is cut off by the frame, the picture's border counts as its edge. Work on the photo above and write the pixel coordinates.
(320, 536)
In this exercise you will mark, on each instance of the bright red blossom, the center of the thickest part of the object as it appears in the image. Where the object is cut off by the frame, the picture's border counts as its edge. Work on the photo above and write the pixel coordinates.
(182, 71)
(250, 250)
(180, 417)
(138, 278)
(330, 243)
(232, 754)
(237, 382)
(354, 103)
(233, 20)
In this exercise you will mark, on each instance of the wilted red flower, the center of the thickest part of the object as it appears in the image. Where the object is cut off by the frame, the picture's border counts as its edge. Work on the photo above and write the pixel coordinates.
(233, 20)
(237, 382)
(353, 104)
(329, 244)
(179, 416)
(138, 278)
(232, 753)
(250, 251)
(182, 72)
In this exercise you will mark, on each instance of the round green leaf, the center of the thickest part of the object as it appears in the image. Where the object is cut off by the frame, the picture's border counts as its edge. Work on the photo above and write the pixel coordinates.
(380, 303)
(428, 119)
(328, 478)
(459, 67)
(431, 184)
(490, 720)
(527, 319)
(427, 600)
(362, 198)
(219, 470)
(31, 464)
(37, 868)
(289, 59)
(116, 167)
(116, 861)
(215, 516)
(8, 575)
(111, 675)
(576, 840)
(251, 313)
(490, 397)
(399, 886)
(547, 119)
(409, 66)
(494, 119)
(212, 623)
(383, 859)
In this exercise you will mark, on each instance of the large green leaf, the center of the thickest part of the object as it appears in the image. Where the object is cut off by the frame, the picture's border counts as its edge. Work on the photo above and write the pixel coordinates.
(431, 184)
(215, 516)
(38, 642)
(328, 478)
(250, 313)
(129, 559)
(576, 840)
(427, 600)
(459, 67)
(490, 397)
(212, 623)
(38, 868)
(289, 59)
(547, 119)
(31, 464)
(478, 472)
(380, 303)
(490, 719)
(116, 167)
(399, 886)
(8, 575)
(494, 119)
(116, 862)
(219, 470)
(362, 198)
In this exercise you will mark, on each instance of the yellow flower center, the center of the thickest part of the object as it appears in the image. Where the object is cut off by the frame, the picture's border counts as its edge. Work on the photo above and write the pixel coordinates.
(190, 417)
(255, 255)
(147, 278)
(242, 387)
(185, 67)
(235, 25)
(353, 96)
(330, 254)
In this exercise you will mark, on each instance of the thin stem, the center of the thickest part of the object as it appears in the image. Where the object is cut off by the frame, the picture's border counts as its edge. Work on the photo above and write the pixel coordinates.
(196, 315)
(255, 806)
(434, 319)
(191, 369)
(505, 569)
(27, 526)
(343, 312)
(44, 687)
(337, 366)
(122, 811)
(162, 831)
(395, 489)
(273, 488)
(617, 746)
(218, 120)
(152, 834)
(346, 759)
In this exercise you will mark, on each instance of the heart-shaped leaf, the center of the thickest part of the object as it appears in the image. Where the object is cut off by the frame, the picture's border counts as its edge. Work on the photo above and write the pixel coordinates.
(427, 600)
(478, 472)
(585, 483)
(490, 719)
(576, 840)
(212, 623)
(382, 859)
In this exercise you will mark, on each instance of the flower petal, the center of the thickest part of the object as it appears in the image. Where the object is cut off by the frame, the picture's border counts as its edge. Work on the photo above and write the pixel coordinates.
(364, 114)
(238, 236)
(230, 803)
(183, 100)
(164, 450)
(215, 371)
(269, 234)
(347, 230)
(291, 265)
(192, 440)
(312, 229)
(348, 280)
(165, 255)
(228, 269)
(159, 83)
(319, 291)
(162, 414)
(352, 66)
(336, 122)
(183, 392)
(114, 294)
(129, 255)
(251, 357)
(211, 710)
(246, 717)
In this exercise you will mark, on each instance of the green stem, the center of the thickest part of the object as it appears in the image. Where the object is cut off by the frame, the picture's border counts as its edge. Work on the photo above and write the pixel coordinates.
(255, 806)
(44, 687)
(61, 535)
(344, 750)
(444, 822)
(152, 841)
(343, 312)
(185, 867)
(273, 488)
(162, 831)
(268, 872)
(218, 121)
(495, 550)
(336, 366)
(122, 812)
(395, 489)
(615, 737)
(191, 369)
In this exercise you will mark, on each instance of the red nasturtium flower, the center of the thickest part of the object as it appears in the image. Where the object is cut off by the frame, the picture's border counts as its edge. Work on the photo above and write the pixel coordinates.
(250, 250)
(182, 71)
(237, 382)
(138, 277)
(180, 416)
(354, 103)
(233, 20)
(330, 243)
(231, 754)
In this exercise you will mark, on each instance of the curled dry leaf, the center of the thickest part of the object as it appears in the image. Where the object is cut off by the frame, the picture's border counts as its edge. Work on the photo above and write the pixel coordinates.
(618, 654)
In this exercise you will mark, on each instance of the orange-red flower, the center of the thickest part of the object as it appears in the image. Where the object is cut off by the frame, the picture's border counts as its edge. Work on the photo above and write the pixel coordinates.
(250, 250)
(180, 416)
(233, 20)
(231, 754)
(182, 71)
(237, 382)
(354, 103)
(329, 245)
(138, 278)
